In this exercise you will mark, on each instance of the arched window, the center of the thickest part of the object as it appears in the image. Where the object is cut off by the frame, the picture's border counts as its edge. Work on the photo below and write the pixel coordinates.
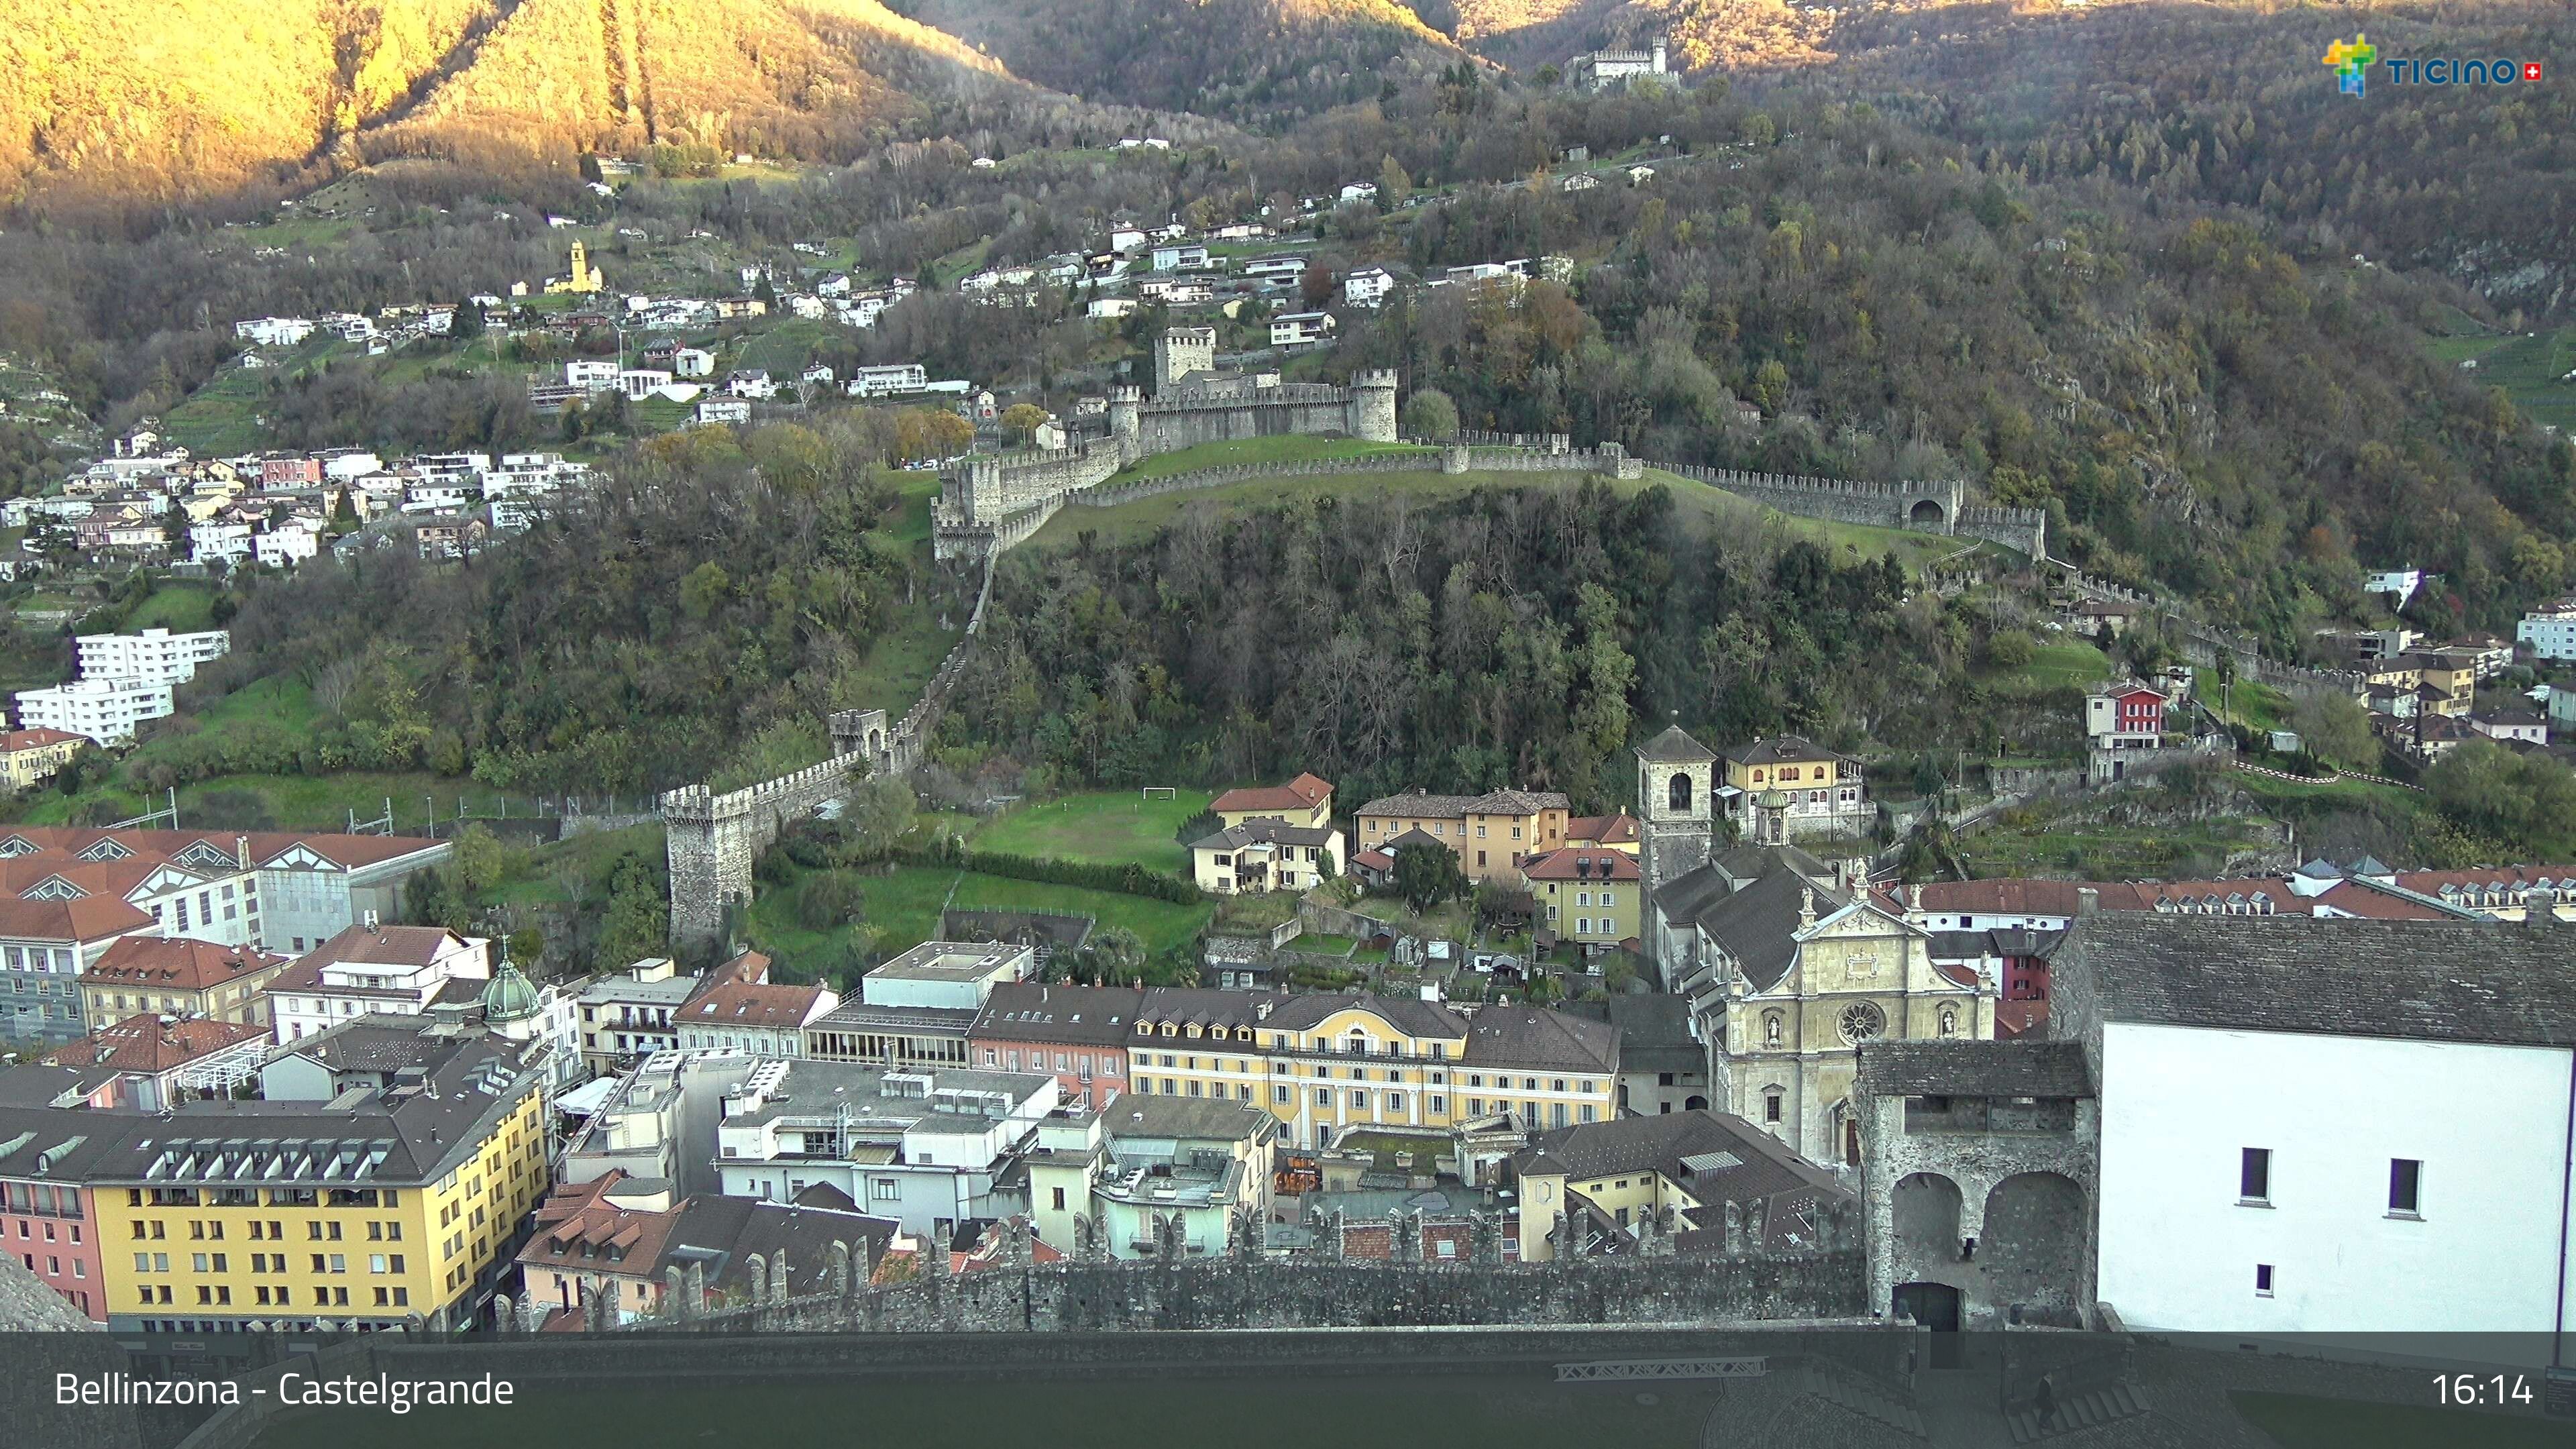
(1771, 1028)
(1677, 793)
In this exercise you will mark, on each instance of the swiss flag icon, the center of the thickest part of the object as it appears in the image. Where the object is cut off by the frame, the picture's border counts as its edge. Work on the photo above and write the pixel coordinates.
(2531, 70)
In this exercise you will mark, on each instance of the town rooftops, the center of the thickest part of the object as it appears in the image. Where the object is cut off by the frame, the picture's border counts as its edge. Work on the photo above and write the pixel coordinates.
(189, 965)
(1654, 1030)
(84, 918)
(1073, 1015)
(149, 1045)
(1199, 1119)
(742, 1004)
(1714, 1157)
(2449, 981)
(382, 1044)
(1416, 804)
(15, 741)
(1619, 829)
(1960, 1068)
(1755, 921)
(1301, 794)
(383, 945)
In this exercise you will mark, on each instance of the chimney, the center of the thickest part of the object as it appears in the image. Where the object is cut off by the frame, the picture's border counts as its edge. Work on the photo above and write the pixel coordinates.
(2088, 901)
(371, 922)
(2540, 910)
(241, 850)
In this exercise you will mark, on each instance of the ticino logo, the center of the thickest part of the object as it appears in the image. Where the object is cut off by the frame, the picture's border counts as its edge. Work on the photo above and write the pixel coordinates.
(2351, 60)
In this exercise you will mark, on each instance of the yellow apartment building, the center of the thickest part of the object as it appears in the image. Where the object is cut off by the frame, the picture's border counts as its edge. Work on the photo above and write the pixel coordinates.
(30, 757)
(1324, 1064)
(1306, 801)
(409, 1202)
(1490, 832)
(1591, 896)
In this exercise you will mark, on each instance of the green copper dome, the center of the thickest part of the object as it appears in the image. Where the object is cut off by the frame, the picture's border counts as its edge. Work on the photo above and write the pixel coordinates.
(510, 997)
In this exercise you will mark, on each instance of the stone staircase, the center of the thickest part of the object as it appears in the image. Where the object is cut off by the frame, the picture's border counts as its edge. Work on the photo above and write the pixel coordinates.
(2083, 1411)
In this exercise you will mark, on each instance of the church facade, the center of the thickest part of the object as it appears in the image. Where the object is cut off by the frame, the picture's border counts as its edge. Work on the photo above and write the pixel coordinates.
(1786, 961)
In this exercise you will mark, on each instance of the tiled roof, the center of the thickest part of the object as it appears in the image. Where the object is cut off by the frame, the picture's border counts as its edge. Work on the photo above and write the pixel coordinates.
(35, 739)
(1204, 1119)
(189, 965)
(2411, 980)
(1675, 747)
(1301, 794)
(1520, 1036)
(1576, 862)
(384, 945)
(1974, 1069)
(1415, 804)
(88, 918)
(1654, 1030)
(1781, 750)
(736, 1004)
(1073, 1015)
(1619, 829)
(1265, 830)
(1714, 1157)
(148, 1045)
(1754, 921)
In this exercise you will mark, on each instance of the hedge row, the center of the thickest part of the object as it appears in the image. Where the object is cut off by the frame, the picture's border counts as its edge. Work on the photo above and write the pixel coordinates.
(1129, 879)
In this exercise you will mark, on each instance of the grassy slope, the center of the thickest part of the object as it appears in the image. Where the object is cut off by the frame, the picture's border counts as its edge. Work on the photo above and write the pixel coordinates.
(2532, 369)
(904, 907)
(1113, 826)
(1712, 507)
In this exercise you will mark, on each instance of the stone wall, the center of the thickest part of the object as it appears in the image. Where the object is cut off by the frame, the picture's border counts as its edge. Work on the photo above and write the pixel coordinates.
(1933, 1187)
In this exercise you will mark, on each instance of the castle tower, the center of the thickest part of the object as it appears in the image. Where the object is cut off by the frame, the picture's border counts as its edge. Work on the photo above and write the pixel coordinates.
(584, 277)
(1126, 404)
(1676, 790)
(1659, 55)
(1179, 352)
(1373, 405)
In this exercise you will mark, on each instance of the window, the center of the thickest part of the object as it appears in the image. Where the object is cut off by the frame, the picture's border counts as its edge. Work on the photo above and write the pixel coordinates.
(1771, 1104)
(1059, 1199)
(1323, 1096)
(2254, 1177)
(1279, 1093)
(1677, 793)
(2405, 1182)
(2262, 1280)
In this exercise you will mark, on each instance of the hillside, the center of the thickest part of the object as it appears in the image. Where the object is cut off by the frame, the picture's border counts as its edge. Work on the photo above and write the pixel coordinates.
(1704, 34)
(124, 100)
(1252, 61)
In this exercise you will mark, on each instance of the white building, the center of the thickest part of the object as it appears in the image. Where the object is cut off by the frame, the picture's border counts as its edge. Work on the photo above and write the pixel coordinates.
(594, 374)
(2401, 582)
(1368, 286)
(106, 710)
(692, 362)
(717, 411)
(376, 969)
(274, 331)
(887, 380)
(924, 1148)
(2550, 631)
(287, 546)
(1280, 268)
(1180, 258)
(953, 975)
(757, 385)
(2275, 1157)
(210, 541)
(154, 655)
(1109, 309)
(1360, 191)
(1601, 69)
(639, 383)
(1299, 329)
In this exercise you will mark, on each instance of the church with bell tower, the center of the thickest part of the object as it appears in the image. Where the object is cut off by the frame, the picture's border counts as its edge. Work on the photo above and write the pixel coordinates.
(1787, 961)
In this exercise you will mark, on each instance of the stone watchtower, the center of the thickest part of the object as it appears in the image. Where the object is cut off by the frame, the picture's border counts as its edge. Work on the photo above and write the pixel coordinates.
(1676, 790)
(1179, 352)
(1373, 405)
(1126, 408)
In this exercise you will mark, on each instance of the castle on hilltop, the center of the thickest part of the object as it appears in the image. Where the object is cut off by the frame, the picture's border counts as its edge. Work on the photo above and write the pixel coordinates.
(988, 502)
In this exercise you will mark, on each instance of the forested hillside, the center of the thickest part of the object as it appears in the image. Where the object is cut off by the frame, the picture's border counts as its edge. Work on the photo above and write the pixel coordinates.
(1254, 61)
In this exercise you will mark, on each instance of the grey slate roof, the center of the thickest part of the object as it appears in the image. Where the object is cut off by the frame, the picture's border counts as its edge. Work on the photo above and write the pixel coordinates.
(1890, 1068)
(1265, 830)
(1754, 920)
(1654, 1031)
(28, 1306)
(2460, 981)
(1715, 1157)
(1074, 1015)
(1675, 747)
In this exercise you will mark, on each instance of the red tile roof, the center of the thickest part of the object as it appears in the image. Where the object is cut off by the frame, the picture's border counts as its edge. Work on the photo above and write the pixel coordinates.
(90, 918)
(149, 1045)
(384, 945)
(1303, 793)
(1620, 829)
(189, 965)
(736, 1004)
(36, 739)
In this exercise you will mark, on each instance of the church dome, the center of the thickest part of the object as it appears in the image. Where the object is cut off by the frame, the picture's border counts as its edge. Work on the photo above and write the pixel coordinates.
(510, 997)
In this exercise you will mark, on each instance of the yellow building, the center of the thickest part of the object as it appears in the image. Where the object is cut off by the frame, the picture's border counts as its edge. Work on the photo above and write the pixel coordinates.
(178, 976)
(1306, 800)
(1325, 1064)
(1588, 1190)
(30, 757)
(1490, 832)
(1591, 896)
(1784, 788)
(583, 278)
(2452, 677)
(410, 1202)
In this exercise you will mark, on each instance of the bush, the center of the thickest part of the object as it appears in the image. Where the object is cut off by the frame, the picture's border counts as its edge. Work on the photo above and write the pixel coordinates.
(829, 898)
(1198, 827)
(1134, 880)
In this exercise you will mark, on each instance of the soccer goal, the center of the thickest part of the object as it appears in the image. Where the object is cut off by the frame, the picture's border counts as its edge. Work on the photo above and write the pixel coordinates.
(1162, 792)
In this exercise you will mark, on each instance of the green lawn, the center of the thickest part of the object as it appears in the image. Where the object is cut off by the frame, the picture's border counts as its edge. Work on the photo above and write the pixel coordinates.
(784, 350)
(1711, 508)
(264, 802)
(2057, 664)
(2298, 797)
(2533, 370)
(1280, 448)
(2297, 1422)
(1117, 826)
(1422, 1411)
(904, 908)
(179, 608)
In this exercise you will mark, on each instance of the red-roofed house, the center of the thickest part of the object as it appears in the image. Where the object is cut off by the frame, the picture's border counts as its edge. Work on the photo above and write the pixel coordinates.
(1587, 895)
(29, 757)
(160, 1060)
(378, 969)
(180, 977)
(1305, 801)
(743, 1009)
(1608, 832)
(44, 947)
